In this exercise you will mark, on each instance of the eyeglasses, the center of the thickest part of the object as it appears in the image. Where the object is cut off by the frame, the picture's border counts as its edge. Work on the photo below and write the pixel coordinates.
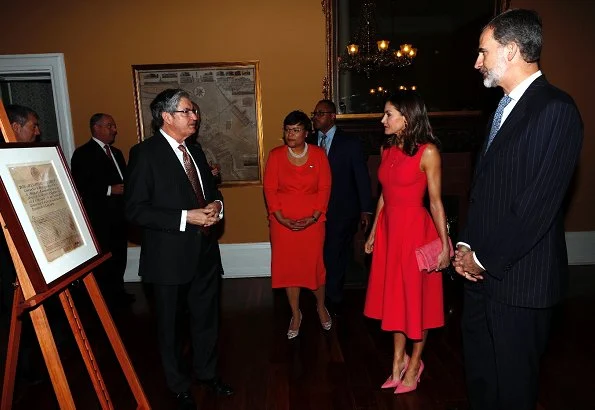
(187, 111)
(292, 130)
(321, 113)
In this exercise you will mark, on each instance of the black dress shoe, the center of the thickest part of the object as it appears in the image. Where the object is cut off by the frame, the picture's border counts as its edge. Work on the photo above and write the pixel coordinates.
(217, 387)
(185, 401)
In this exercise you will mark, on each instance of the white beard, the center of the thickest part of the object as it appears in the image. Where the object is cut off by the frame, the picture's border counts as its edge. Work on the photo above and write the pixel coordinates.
(493, 76)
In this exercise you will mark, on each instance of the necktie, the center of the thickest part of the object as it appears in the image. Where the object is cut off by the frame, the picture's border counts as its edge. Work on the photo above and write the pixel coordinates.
(192, 176)
(497, 119)
(323, 142)
(108, 151)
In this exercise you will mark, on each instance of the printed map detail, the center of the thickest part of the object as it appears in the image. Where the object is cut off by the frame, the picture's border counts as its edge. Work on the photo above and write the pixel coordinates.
(228, 130)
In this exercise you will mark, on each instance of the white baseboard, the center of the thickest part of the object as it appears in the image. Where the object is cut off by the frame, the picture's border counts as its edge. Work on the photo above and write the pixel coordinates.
(240, 260)
(249, 260)
(581, 247)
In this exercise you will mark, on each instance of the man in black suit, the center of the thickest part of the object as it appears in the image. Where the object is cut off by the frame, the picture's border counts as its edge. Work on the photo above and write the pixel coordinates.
(513, 252)
(350, 202)
(171, 195)
(98, 170)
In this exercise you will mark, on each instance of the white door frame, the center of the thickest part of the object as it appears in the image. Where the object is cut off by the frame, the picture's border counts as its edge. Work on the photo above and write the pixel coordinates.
(52, 64)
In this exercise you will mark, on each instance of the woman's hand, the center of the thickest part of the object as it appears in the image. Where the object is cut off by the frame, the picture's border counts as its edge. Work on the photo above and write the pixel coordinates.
(443, 259)
(369, 245)
(304, 223)
(286, 222)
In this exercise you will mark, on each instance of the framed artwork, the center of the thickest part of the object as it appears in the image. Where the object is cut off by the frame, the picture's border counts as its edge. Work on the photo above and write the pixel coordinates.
(442, 70)
(43, 212)
(229, 97)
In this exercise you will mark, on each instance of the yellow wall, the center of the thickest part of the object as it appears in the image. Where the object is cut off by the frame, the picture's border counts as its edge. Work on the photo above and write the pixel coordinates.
(101, 40)
(568, 61)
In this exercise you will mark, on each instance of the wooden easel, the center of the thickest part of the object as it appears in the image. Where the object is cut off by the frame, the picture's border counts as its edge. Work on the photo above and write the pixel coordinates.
(28, 300)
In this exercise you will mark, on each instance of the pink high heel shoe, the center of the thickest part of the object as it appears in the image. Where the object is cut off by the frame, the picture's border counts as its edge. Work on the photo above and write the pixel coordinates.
(401, 388)
(292, 334)
(329, 323)
(390, 383)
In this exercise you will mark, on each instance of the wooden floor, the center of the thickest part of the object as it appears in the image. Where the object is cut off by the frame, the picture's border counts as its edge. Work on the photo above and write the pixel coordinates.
(340, 370)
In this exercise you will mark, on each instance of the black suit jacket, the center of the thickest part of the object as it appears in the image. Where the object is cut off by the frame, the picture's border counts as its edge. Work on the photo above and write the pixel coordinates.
(515, 222)
(93, 172)
(350, 187)
(157, 190)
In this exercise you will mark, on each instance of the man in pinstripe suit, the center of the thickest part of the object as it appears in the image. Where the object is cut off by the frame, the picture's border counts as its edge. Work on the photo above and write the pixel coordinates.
(513, 252)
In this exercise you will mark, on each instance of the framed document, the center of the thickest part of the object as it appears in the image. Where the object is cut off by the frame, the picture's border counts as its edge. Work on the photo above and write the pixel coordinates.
(228, 95)
(43, 212)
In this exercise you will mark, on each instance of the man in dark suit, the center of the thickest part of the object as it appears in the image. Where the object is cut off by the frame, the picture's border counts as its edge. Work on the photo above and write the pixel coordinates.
(171, 195)
(513, 252)
(351, 199)
(98, 170)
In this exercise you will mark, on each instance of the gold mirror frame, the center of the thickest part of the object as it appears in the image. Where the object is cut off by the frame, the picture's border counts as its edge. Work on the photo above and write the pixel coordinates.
(329, 82)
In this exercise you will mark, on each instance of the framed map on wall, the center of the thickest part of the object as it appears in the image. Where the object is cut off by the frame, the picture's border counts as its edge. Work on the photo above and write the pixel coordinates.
(229, 98)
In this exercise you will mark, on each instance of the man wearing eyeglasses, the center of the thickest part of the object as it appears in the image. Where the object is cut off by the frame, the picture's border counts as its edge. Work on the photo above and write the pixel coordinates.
(350, 203)
(98, 171)
(171, 195)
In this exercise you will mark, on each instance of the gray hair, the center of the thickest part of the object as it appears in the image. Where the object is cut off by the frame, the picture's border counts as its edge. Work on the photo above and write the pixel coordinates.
(19, 114)
(522, 27)
(166, 101)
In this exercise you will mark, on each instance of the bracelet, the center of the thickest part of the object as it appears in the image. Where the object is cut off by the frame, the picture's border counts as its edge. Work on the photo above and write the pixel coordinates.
(315, 218)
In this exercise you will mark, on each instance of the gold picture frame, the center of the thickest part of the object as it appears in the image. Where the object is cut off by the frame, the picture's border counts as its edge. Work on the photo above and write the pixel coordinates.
(330, 82)
(229, 97)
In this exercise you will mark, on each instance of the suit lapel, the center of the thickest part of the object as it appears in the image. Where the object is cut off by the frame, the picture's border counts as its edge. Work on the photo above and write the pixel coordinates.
(507, 131)
(336, 143)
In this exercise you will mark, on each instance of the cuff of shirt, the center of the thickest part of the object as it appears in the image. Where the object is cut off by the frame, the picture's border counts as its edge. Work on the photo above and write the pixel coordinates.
(109, 190)
(183, 220)
(221, 212)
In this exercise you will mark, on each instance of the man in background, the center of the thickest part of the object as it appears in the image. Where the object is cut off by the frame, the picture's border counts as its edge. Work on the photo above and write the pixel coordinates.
(98, 170)
(350, 203)
(24, 122)
(512, 252)
(25, 125)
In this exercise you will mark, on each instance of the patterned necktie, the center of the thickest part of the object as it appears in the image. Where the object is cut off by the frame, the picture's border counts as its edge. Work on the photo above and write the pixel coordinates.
(108, 151)
(497, 119)
(323, 142)
(193, 176)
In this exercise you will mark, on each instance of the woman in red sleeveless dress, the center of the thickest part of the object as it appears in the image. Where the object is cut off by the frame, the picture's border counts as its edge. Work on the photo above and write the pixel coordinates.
(407, 301)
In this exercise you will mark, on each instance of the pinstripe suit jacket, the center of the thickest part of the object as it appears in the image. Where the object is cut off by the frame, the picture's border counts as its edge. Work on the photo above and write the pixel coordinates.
(157, 190)
(515, 222)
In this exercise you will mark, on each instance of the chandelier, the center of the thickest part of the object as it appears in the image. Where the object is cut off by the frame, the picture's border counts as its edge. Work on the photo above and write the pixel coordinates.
(367, 54)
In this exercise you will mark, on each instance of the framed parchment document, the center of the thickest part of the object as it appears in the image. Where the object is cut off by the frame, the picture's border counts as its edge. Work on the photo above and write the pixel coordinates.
(228, 95)
(42, 210)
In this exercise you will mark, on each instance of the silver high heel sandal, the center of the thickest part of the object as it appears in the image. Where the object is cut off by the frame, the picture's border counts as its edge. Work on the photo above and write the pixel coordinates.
(329, 323)
(292, 334)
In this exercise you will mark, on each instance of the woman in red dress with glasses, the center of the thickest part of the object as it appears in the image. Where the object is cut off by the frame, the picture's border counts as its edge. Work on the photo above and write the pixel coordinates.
(297, 183)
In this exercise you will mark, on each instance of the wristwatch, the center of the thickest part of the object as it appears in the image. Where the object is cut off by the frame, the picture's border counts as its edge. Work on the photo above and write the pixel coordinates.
(315, 218)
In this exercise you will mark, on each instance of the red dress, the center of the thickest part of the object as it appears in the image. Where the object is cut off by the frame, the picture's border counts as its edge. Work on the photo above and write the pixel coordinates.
(402, 297)
(298, 191)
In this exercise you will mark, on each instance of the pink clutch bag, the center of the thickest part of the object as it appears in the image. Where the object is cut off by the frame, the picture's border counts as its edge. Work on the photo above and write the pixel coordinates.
(427, 255)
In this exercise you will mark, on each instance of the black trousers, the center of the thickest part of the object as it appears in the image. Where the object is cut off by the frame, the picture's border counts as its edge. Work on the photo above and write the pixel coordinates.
(112, 238)
(502, 345)
(199, 298)
(338, 251)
